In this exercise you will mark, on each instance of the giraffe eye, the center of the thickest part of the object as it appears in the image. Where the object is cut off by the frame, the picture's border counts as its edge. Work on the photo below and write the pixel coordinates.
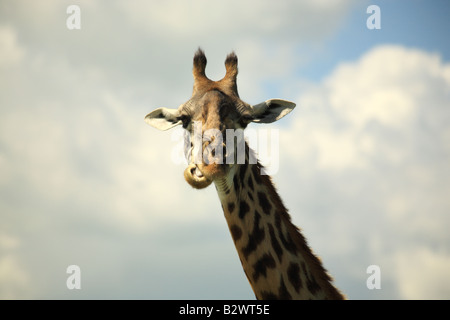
(246, 119)
(185, 120)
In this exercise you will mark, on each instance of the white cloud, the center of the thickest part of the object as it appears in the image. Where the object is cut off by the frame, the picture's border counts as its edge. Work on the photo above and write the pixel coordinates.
(237, 18)
(8, 242)
(13, 279)
(11, 53)
(363, 102)
(423, 273)
(370, 147)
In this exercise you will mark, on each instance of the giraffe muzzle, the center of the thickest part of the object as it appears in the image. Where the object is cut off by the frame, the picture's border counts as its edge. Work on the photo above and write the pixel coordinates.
(195, 177)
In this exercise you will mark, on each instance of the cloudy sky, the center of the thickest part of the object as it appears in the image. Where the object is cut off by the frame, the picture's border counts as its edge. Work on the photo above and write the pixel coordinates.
(364, 159)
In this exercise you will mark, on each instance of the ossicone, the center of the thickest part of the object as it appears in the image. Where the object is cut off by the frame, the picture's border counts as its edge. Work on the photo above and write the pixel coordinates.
(201, 81)
(199, 64)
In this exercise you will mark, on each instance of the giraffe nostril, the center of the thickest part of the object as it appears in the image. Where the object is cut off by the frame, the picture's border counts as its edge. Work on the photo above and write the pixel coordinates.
(195, 171)
(198, 173)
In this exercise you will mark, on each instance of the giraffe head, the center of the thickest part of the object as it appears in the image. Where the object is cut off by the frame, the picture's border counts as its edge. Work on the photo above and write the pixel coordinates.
(212, 115)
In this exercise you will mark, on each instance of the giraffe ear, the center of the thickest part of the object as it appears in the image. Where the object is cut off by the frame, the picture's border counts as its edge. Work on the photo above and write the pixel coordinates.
(271, 110)
(163, 118)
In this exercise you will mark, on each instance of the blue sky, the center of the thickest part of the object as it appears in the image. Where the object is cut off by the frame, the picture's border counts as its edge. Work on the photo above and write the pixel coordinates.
(412, 24)
(363, 159)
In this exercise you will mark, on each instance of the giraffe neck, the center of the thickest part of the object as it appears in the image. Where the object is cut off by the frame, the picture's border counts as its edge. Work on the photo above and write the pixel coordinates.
(275, 256)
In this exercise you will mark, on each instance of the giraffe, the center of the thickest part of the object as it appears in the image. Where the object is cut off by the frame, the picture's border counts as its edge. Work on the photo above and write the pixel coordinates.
(275, 256)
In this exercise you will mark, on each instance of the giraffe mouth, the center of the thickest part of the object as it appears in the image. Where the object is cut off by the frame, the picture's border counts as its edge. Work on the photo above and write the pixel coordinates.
(197, 172)
(195, 177)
